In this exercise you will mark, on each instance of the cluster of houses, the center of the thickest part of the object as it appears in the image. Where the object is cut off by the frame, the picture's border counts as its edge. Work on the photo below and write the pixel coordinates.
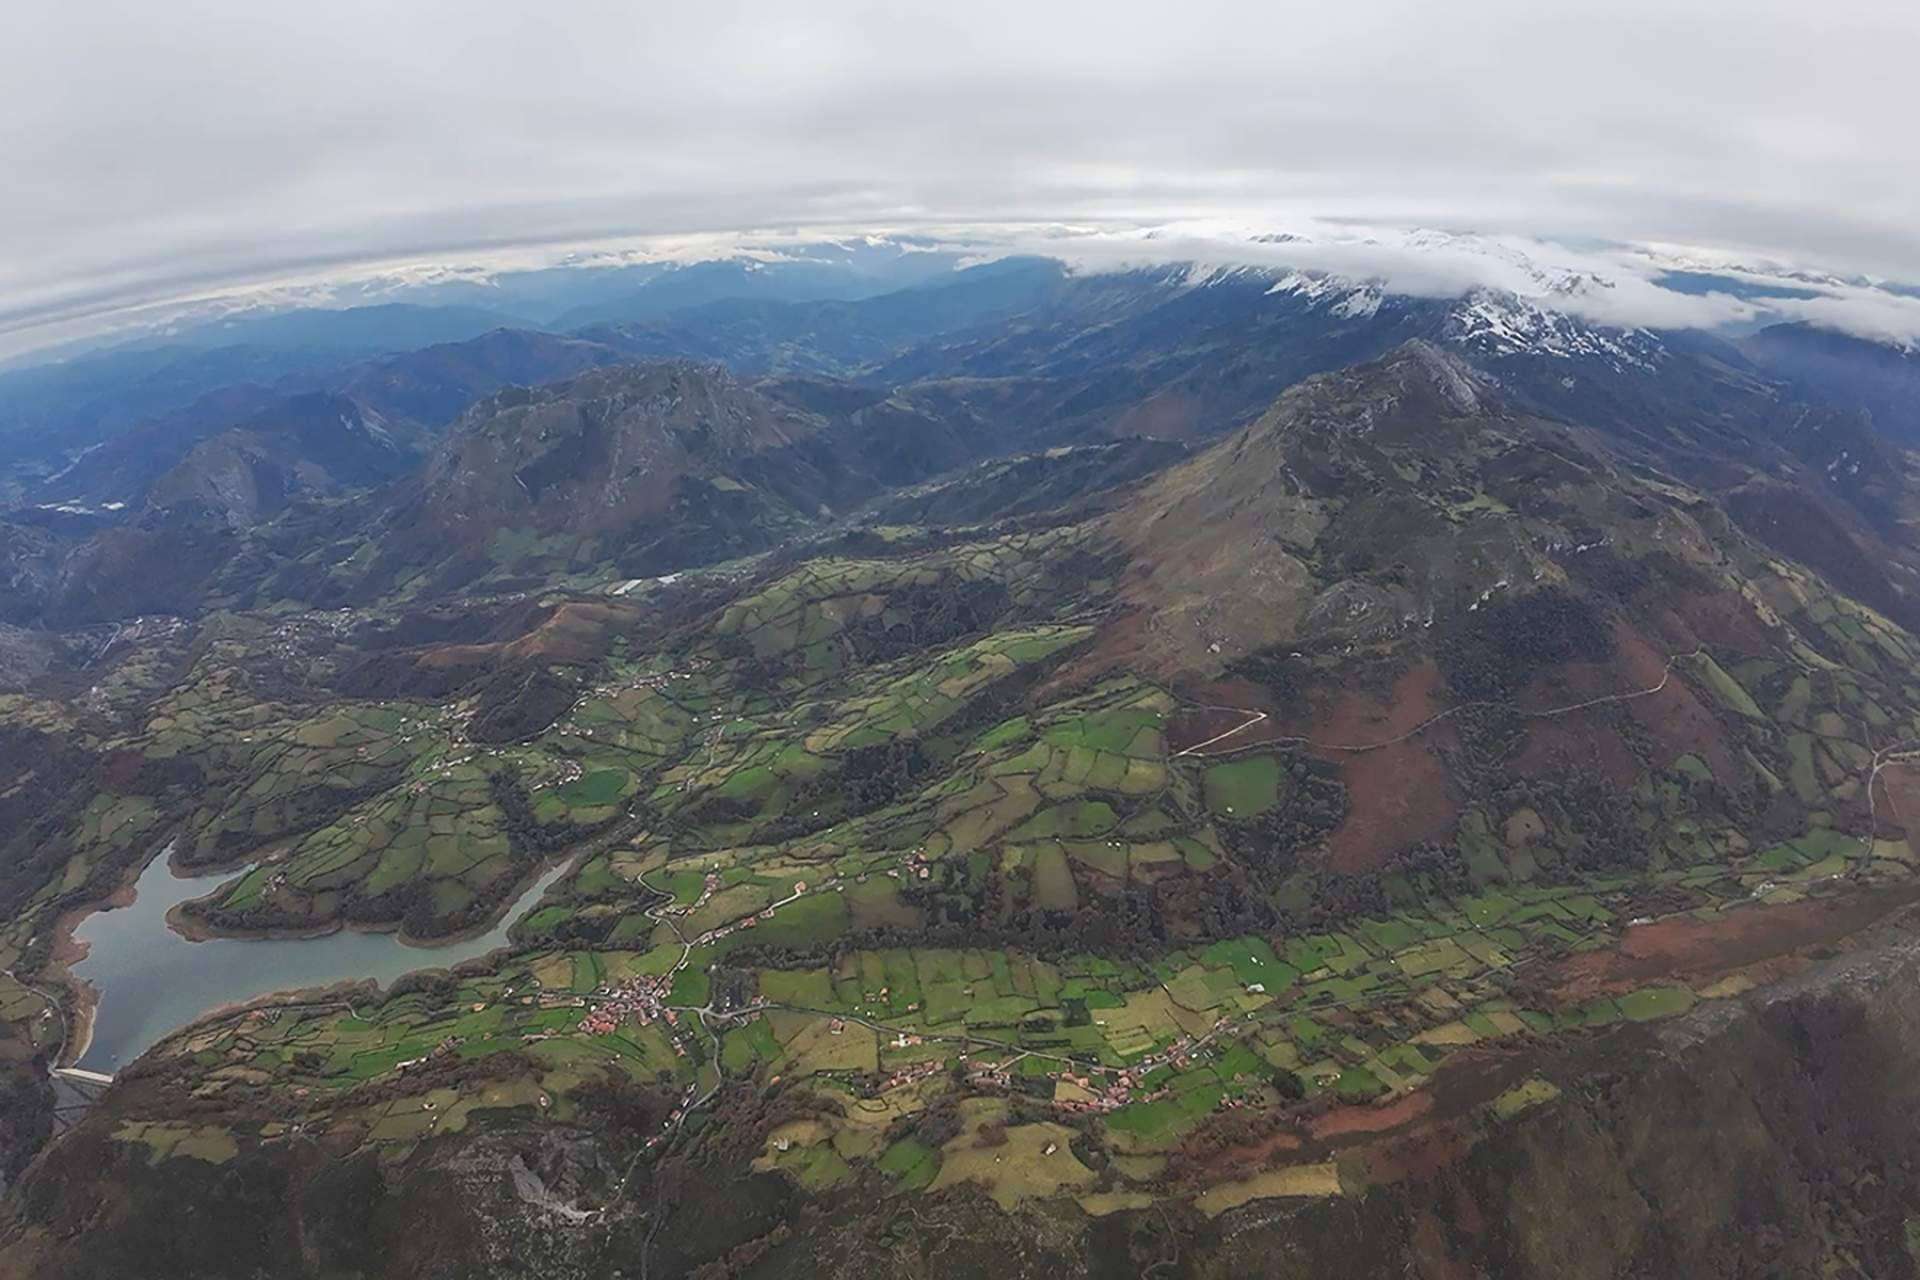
(641, 999)
(914, 868)
(655, 682)
(1103, 1089)
(753, 921)
(708, 887)
(1082, 1093)
(570, 771)
(440, 1050)
(448, 765)
(912, 1075)
(288, 640)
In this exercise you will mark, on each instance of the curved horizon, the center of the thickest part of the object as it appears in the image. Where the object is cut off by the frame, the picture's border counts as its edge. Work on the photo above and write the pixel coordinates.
(317, 146)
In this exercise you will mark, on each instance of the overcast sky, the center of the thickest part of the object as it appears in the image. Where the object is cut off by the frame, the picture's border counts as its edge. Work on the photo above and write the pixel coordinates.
(148, 149)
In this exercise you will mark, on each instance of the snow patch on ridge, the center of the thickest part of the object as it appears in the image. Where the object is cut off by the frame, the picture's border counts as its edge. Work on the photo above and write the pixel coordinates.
(1503, 324)
(1492, 322)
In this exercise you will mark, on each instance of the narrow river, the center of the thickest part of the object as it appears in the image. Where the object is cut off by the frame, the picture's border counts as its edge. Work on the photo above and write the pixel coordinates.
(151, 981)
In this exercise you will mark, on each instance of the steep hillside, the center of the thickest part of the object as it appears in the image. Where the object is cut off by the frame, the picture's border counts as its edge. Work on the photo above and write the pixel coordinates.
(641, 470)
(436, 384)
(653, 467)
(1355, 827)
(1365, 504)
(110, 481)
(185, 507)
(308, 446)
(1829, 368)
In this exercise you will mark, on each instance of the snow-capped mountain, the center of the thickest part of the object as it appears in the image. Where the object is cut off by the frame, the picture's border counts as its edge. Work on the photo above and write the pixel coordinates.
(1503, 324)
(1517, 293)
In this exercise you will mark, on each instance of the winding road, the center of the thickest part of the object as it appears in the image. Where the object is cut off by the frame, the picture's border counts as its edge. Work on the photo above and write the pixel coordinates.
(1255, 717)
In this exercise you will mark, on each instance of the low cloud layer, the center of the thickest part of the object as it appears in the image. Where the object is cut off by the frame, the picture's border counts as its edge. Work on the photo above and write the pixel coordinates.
(160, 152)
(1619, 285)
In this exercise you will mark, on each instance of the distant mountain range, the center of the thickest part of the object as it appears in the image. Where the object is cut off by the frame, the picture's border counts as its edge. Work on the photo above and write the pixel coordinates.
(895, 386)
(1140, 771)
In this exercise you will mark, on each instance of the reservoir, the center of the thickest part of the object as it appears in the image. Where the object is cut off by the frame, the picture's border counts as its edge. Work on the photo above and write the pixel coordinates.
(151, 981)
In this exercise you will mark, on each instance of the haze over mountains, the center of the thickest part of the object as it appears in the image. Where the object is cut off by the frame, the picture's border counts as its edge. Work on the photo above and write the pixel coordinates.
(959, 363)
(968, 642)
(1283, 711)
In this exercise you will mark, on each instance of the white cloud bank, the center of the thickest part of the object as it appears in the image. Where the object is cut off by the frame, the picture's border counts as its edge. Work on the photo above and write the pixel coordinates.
(155, 153)
(1617, 286)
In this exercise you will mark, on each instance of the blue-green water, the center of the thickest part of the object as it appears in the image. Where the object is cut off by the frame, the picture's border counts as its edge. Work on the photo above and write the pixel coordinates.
(151, 981)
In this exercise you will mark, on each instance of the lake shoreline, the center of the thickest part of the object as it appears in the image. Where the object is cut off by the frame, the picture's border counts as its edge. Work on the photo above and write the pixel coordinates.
(82, 1000)
(194, 929)
(154, 972)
